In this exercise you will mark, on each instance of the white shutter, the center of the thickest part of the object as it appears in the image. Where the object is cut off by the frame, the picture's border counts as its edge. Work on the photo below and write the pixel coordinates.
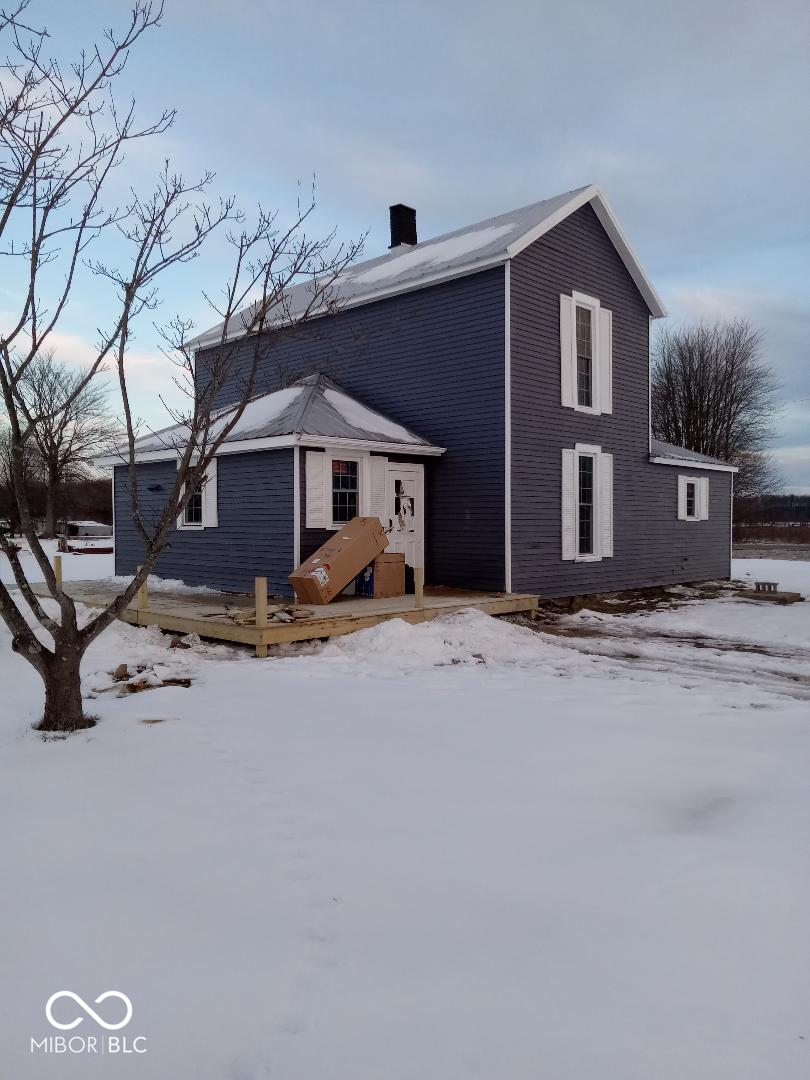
(376, 503)
(703, 498)
(604, 464)
(682, 481)
(569, 510)
(210, 499)
(605, 374)
(567, 364)
(316, 516)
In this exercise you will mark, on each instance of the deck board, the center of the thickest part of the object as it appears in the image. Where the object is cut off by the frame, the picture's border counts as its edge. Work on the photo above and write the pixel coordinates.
(204, 613)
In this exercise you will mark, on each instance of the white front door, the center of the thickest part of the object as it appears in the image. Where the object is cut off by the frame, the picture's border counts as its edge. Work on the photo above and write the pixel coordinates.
(406, 511)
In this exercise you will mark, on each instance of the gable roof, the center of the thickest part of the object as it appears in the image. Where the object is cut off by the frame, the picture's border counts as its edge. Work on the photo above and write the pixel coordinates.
(463, 251)
(668, 454)
(312, 411)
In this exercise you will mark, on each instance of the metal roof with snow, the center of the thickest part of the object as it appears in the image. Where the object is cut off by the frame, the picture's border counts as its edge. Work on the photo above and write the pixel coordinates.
(664, 453)
(464, 251)
(313, 411)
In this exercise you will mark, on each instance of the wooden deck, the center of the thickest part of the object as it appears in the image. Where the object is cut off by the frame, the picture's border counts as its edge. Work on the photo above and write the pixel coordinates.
(232, 616)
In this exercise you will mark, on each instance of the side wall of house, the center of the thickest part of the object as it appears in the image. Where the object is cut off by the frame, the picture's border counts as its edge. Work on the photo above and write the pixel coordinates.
(432, 360)
(254, 537)
(651, 546)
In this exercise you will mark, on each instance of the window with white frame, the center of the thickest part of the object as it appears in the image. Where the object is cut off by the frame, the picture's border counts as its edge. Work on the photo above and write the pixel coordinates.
(587, 504)
(340, 484)
(202, 510)
(693, 498)
(586, 354)
(345, 490)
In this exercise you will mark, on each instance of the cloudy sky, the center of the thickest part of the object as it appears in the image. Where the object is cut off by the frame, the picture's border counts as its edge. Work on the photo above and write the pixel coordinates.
(692, 117)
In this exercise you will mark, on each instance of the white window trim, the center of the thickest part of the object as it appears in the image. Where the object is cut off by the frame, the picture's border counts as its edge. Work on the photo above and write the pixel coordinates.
(579, 299)
(701, 484)
(363, 478)
(210, 514)
(595, 452)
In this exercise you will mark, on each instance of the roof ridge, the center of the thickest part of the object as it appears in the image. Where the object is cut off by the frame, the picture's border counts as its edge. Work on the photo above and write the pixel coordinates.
(298, 421)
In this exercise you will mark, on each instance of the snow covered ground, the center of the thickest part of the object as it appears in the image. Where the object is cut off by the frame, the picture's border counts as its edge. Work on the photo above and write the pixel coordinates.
(459, 850)
(74, 567)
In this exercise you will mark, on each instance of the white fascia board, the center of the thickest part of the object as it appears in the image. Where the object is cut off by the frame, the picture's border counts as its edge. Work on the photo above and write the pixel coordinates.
(550, 222)
(688, 463)
(610, 223)
(416, 449)
(280, 442)
(614, 230)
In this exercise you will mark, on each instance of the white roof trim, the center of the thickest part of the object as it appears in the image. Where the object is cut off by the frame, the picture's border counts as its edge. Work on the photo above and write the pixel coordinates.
(280, 442)
(610, 223)
(590, 194)
(690, 463)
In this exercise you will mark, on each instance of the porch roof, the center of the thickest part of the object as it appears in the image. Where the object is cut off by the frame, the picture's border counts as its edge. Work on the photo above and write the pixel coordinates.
(312, 411)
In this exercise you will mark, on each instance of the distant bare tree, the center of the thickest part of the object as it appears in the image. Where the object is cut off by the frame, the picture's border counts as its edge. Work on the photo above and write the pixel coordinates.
(73, 425)
(713, 392)
(61, 135)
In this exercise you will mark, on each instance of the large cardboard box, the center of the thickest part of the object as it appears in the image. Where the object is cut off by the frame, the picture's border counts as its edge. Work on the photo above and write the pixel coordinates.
(338, 561)
(384, 577)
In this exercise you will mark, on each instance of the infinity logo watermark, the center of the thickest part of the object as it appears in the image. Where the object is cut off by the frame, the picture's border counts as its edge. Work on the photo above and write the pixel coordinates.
(89, 1044)
(88, 1010)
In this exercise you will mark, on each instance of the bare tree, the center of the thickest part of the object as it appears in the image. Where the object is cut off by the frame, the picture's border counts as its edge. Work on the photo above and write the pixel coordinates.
(74, 425)
(714, 392)
(62, 134)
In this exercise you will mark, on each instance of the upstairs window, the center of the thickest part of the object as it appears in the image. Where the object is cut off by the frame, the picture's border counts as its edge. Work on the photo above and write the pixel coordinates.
(584, 357)
(586, 354)
(344, 491)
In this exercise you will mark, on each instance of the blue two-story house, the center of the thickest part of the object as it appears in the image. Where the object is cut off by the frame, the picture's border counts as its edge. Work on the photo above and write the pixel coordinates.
(486, 394)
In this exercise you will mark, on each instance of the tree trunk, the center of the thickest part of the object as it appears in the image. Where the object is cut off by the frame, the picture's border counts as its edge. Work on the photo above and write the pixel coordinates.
(50, 509)
(63, 693)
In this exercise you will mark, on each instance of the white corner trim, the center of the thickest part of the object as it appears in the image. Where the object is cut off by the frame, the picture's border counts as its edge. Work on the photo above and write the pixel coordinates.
(507, 449)
(686, 463)
(296, 506)
(649, 385)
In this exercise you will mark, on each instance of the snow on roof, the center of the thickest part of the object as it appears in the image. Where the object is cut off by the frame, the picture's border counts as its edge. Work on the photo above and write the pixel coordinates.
(665, 449)
(312, 406)
(474, 247)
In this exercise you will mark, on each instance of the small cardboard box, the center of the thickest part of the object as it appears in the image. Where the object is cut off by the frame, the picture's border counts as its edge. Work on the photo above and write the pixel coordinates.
(384, 577)
(323, 575)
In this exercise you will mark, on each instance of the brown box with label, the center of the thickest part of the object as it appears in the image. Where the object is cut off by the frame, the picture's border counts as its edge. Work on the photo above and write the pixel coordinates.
(384, 577)
(323, 575)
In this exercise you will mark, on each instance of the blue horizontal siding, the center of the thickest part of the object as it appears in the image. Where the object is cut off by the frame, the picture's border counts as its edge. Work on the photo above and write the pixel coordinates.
(651, 547)
(432, 360)
(254, 537)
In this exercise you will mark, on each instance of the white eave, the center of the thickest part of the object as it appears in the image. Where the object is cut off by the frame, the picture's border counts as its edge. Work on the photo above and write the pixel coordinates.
(693, 463)
(406, 269)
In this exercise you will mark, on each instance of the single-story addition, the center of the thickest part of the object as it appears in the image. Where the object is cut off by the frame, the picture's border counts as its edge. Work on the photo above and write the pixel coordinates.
(486, 394)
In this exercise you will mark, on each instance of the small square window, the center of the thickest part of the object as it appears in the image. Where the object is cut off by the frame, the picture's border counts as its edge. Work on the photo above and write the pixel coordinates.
(194, 508)
(691, 499)
(344, 491)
